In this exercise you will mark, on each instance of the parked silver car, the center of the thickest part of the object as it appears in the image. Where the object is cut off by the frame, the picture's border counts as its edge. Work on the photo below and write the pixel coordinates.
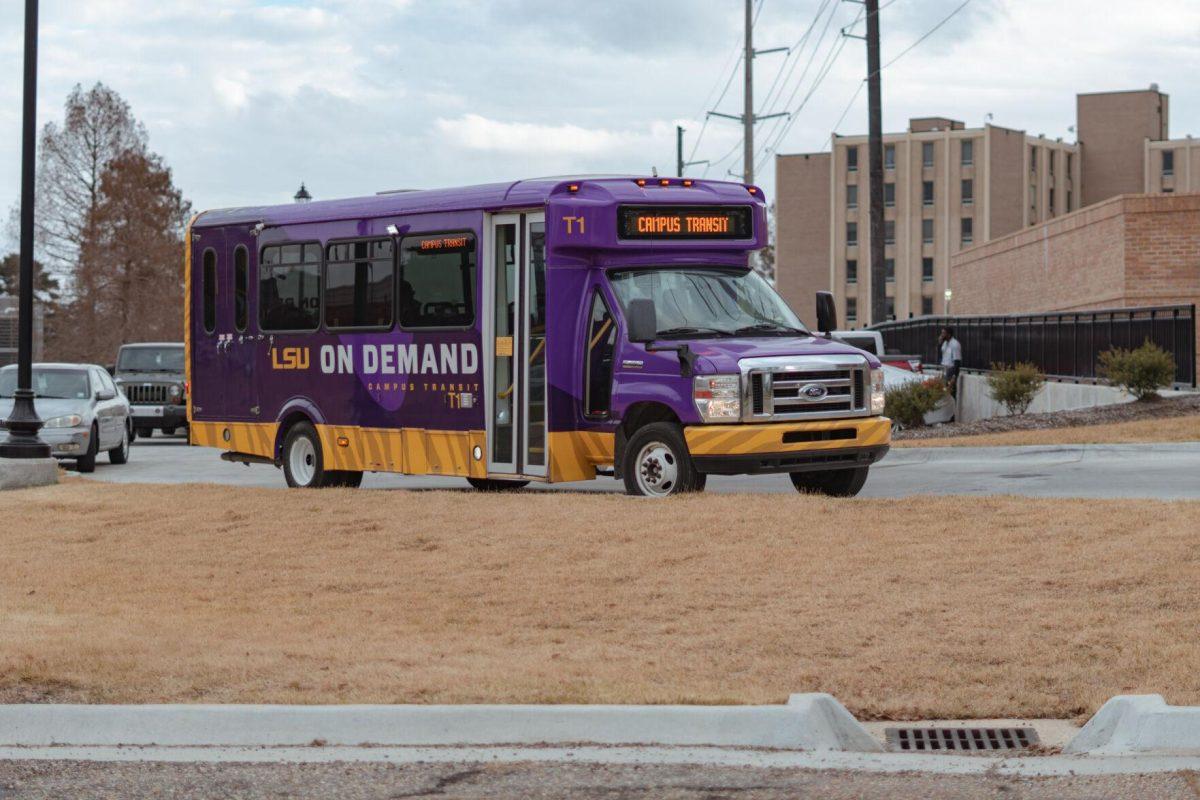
(82, 411)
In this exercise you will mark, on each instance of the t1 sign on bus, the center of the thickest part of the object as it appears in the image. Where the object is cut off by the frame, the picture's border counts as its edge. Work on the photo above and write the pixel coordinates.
(685, 222)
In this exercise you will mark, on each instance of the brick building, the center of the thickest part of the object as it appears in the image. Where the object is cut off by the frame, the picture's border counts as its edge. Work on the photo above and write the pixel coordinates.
(1129, 250)
(948, 187)
(9, 333)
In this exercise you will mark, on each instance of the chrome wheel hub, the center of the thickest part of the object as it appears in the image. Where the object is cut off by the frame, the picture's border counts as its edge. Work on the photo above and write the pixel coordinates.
(657, 470)
(302, 461)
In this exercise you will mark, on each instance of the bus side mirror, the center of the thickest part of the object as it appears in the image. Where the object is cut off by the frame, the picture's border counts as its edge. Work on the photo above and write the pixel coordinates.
(826, 313)
(643, 321)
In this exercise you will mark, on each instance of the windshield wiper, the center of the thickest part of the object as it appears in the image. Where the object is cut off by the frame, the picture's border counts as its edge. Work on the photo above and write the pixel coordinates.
(768, 327)
(688, 330)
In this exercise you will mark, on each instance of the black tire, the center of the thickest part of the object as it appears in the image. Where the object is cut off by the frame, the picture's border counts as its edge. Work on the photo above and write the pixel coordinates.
(87, 463)
(145, 433)
(303, 462)
(657, 462)
(169, 431)
(120, 453)
(496, 485)
(344, 479)
(701, 482)
(833, 483)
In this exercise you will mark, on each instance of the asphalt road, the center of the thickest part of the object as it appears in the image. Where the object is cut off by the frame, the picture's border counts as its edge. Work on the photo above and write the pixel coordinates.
(1162, 471)
(41, 780)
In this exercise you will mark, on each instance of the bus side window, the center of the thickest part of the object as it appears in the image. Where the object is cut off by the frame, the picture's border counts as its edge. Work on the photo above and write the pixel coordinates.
(241, 287)
(209, 290)
(289, 287)
(597, 379)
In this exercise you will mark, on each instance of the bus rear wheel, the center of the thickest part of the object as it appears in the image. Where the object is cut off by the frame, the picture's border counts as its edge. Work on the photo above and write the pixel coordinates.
(304, 465)
(833, 483)
(657, 463)
(494, 485)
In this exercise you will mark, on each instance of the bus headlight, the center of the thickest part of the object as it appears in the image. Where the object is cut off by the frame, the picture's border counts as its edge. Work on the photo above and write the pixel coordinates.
(877, 393)
(718, 397)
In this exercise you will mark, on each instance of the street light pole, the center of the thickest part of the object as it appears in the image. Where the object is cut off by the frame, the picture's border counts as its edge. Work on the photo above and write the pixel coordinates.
(23, 423)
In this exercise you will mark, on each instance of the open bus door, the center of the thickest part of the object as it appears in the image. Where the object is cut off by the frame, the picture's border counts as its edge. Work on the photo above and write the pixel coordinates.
(514, 344)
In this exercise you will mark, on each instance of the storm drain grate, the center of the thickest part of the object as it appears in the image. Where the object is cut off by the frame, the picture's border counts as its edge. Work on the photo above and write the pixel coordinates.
(959, 739)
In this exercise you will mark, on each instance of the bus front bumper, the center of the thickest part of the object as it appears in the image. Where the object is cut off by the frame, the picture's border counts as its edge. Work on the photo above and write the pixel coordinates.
(788, 446)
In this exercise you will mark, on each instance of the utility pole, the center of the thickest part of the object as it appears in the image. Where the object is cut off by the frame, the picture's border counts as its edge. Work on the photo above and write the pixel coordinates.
(748, 118)
(23, 423)
(680, 164)
(875, 165)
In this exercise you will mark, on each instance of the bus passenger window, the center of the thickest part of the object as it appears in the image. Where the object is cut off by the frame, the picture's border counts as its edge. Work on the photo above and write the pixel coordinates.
(289, 288)
(359, 279)
(437, 281)
(210, 291)
(241, 287)
(597, 381)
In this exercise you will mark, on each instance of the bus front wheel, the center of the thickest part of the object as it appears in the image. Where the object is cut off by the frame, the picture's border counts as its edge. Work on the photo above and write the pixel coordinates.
(657, 463)
(833, 483)
(304, 465)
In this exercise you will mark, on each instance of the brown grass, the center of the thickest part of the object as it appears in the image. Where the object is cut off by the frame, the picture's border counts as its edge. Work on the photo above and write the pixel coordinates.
(924, 607)
(1176, 429)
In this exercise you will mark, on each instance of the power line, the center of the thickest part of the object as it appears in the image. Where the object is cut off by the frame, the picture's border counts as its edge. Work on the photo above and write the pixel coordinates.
(925, 35)
(795, 50)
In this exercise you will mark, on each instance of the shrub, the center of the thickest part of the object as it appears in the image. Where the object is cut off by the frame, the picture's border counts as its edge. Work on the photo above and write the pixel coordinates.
(908, 404)
(1015, 386)
(1141, 372)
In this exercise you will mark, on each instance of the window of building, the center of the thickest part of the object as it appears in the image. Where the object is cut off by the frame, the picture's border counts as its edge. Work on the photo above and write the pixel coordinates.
(852, 196)
(889, 156)
(360, 280)
(889, 269)
(1050, 203)
(851, 234)
(1070, 203)
(889, 231)
(967, 230)
(927, 231)
(889, 310)
(851, 310)
(597, 382)
(926, 306)
(209, 290)
(241, 287)
(1033, 159)
(852, 159)
(889, 195)
(289, 287)
(927, 154)
(851, 270)
(968, 152)
(1070, 161)
(927, 193)
(968, 191)
(927, 269)
(437, 281)
(1168, 163)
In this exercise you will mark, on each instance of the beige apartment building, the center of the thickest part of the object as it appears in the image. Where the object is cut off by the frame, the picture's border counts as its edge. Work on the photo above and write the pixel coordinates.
(947, 187)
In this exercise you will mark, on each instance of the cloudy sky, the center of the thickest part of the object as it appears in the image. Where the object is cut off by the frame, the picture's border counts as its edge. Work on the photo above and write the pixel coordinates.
(246, 98)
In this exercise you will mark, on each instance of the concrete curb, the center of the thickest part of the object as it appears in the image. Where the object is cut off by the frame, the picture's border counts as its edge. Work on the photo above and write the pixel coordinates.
(807, 722)
(26, 473)
(1139, 723)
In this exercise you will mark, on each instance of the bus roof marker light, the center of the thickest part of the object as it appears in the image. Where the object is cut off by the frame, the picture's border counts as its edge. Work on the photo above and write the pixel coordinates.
(752, 189)
(640, 181)
(573, 187)
(664, 182)
(687, 182)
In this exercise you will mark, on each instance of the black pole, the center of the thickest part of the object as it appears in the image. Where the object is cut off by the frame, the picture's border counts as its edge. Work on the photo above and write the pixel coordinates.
(23, 423)
(875, 165)
(679, 151)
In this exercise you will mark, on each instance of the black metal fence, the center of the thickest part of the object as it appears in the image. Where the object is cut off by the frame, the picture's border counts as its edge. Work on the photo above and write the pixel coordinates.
(1066, 344)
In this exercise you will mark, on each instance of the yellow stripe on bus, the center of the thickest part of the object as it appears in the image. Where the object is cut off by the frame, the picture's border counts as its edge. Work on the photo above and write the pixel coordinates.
(728, 440)
(574, 455)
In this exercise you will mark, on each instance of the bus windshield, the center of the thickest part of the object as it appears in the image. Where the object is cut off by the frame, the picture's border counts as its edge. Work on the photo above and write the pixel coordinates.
(151, 359)
(708, 301)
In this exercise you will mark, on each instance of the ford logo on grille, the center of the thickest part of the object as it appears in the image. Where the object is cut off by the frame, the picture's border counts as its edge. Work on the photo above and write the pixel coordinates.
(814, 392)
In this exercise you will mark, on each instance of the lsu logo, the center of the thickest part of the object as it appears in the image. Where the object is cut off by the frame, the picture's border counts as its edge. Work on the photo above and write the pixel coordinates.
(289, 358)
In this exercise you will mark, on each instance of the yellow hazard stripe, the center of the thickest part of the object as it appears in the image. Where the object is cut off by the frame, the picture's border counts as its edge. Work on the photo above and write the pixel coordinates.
(729, 440)
(574, 455)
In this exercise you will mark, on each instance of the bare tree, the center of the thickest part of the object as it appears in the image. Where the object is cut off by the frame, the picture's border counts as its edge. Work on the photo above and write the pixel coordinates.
(133, 255)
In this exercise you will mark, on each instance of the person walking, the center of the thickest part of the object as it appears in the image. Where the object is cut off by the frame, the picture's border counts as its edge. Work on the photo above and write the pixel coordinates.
(951, 358)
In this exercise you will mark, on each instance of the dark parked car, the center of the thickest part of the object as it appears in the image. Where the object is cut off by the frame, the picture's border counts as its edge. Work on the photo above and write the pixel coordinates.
(151, 375)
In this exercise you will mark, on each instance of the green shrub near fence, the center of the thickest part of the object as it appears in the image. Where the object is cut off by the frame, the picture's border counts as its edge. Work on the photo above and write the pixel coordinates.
(1014, 386)
(908, 404)
(1141, 372)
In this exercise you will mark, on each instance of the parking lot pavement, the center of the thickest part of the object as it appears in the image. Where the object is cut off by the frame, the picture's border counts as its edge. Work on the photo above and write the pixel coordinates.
(26, 780)
(1160, 471)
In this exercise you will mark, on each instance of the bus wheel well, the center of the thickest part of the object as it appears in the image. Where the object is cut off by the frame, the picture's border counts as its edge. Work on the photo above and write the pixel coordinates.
(637, 416)
(285, 425)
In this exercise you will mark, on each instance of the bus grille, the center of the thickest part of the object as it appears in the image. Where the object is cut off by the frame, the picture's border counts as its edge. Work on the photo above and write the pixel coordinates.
(146, 393)
(788, 394)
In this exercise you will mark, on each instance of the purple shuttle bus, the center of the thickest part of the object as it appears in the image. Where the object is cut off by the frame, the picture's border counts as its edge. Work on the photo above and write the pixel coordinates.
(545, 330)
